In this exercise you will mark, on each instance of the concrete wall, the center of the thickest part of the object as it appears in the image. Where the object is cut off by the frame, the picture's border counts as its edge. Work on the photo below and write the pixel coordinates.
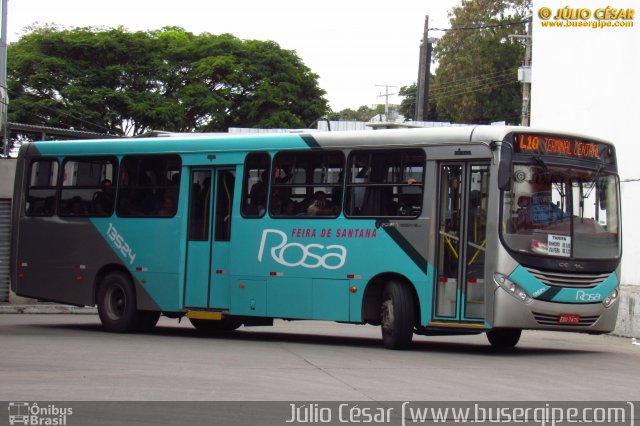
(586, 80)
(629, 314)
(7, 173)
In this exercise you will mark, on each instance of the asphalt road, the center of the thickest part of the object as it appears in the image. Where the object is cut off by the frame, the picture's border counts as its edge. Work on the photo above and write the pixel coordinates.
(69, 358)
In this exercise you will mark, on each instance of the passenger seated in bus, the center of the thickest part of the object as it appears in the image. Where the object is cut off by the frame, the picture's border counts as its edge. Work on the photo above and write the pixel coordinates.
(76, 207)
(103, 199)
(127, 204)
(277, 203)
(537, 210)
(319, 205)
(169, 204)
(258, 195)
(150, 202)
(292, 209)
(543, 210)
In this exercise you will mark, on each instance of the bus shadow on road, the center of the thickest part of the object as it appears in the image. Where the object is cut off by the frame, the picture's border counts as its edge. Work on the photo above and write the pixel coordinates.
(295, 337)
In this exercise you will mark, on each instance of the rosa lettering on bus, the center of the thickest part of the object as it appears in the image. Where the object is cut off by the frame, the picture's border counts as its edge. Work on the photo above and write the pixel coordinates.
(308, 256)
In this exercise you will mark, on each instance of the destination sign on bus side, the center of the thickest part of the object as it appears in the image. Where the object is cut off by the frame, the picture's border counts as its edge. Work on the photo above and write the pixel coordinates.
(561, 146)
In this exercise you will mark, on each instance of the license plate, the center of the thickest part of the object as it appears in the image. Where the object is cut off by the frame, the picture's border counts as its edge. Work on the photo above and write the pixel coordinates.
(569, 319)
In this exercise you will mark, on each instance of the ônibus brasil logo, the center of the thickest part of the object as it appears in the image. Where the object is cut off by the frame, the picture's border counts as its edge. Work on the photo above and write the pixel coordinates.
(295, 254)
(26, 413)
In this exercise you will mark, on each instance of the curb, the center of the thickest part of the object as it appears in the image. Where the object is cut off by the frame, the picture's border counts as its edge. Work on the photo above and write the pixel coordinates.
(46, 309)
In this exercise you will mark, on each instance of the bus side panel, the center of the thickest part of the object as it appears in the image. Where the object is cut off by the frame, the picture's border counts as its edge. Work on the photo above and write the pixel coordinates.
(16, 211)
(320, 268)
(151, 250)
(59, 259)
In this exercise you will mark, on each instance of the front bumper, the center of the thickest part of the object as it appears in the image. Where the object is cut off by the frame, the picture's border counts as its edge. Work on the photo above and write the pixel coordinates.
(542, 315)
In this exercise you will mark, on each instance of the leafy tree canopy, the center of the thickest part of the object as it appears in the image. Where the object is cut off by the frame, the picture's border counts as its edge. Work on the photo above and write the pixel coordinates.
(408, 104)
(126, 83)
(363, 113)
(476, 79)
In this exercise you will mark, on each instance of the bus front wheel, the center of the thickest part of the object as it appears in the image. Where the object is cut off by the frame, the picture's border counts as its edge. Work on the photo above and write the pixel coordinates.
(504, 338)
(397, 316)
(116, 299)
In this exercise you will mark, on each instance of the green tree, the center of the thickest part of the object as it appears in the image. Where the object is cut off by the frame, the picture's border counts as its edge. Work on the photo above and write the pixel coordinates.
(408, 104)
(476, 79)
(363, 113)
(127, 83)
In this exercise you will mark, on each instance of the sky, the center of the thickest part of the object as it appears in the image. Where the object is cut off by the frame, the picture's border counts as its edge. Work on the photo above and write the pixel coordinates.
(353, 45)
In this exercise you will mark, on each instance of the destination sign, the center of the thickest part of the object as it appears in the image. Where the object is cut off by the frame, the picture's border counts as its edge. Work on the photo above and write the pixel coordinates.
(537, 144)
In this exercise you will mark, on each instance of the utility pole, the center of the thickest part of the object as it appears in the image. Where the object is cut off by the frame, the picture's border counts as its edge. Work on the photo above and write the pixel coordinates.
(386, 96)
(4, 96)
(424, 72)
(524, 75)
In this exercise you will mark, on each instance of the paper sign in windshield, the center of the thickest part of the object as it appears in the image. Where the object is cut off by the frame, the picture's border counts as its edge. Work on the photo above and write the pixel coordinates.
(559, 245)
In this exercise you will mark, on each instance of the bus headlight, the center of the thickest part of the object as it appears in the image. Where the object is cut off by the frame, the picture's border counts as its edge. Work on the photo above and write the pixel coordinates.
(512, 288)
(611, 298)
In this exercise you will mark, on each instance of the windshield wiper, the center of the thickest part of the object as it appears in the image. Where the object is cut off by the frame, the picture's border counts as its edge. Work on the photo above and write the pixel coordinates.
(545, 170)
(592, 182)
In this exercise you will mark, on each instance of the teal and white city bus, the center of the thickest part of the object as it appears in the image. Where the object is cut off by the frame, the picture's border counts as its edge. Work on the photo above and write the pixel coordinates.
(428, 231)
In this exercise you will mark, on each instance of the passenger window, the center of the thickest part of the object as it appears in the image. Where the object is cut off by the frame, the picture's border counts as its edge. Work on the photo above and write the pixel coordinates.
(199, 205)
(224, 204)
(149, 186)
(255, 184)
(41, 193)
(385, 183)
(87, 187)
(307, 184)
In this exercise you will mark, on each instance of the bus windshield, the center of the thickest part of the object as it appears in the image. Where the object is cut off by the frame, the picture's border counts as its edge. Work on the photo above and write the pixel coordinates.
(562, 212)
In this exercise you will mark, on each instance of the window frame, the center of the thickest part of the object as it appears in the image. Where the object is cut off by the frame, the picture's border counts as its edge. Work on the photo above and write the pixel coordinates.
(403, 152)
(55, 187)
(244, 199)
(338, 185)
(166, 158)
(86, 159)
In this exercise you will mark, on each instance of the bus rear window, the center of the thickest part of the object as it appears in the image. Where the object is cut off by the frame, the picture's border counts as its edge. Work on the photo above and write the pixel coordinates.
(87, 187)
(41, 193)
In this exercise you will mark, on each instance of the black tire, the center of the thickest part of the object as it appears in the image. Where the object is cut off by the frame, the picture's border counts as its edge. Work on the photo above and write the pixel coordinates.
(504, 338)
(397, 316)
(116, 299)
(215, 326)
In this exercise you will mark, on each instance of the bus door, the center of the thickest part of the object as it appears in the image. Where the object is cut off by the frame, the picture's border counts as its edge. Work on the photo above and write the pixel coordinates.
(209, 234)
(460, 254)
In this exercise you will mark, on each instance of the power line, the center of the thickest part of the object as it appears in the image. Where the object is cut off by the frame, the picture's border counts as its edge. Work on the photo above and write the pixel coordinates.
(461, 89)
(480, 27)
(461, 93)
(470, 82)
(488, 74)
(60, 113)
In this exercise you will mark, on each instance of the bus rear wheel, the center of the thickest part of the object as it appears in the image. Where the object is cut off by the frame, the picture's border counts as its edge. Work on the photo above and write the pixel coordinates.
(397, 316)
(215, 326)
(504, 338)
(116, 299)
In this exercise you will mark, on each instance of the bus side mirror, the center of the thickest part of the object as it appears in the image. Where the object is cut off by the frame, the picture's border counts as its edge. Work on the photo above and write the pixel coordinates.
(505, 167)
